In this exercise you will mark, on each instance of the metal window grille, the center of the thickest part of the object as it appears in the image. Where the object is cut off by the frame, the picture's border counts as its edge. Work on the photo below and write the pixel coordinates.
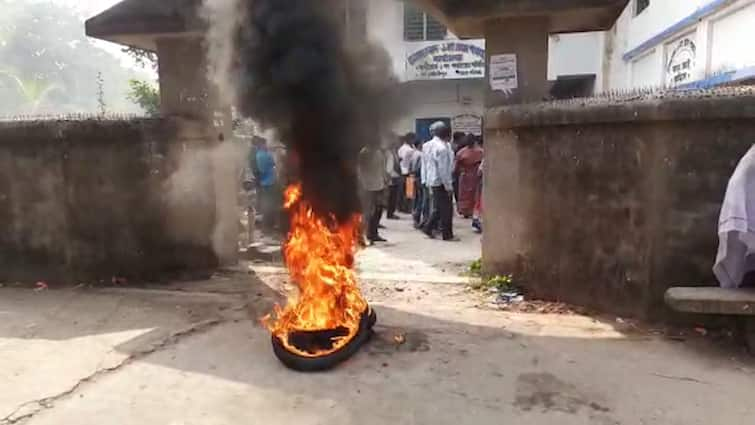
(641, 5)
(419, 26)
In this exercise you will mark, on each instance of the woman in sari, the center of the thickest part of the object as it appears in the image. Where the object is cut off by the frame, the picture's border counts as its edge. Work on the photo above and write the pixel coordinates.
(468, 162)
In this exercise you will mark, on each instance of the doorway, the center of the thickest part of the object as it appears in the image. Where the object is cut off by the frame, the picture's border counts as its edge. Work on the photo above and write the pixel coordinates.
(423, 127)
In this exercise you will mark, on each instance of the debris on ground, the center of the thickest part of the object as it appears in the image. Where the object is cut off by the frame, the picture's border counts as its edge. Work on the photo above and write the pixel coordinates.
(41, 286)
(509, 297)
(399, 339)
(543, 307)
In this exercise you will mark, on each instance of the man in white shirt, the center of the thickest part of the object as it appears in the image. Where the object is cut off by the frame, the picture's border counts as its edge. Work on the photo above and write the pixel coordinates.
(405, 156)
(438, 156)
(406, 153)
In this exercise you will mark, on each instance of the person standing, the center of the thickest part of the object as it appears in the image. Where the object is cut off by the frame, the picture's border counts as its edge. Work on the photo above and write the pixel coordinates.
(457, 144)
(372, 178)
(393, 171)
(467, 167)
(405, 156)
(477, 218)
(269, 197)
(439, 178)
(419, 187)
(427, 193)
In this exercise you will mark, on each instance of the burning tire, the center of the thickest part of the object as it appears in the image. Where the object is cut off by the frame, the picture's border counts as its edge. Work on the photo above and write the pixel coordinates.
(305, 341)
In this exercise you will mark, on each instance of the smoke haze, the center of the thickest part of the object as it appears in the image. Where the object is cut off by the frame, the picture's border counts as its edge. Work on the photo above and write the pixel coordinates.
(286, 64)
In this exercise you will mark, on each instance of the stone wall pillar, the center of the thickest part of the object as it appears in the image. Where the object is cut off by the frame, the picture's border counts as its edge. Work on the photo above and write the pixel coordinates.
(504, 199)
(187, 92)
(527, 38)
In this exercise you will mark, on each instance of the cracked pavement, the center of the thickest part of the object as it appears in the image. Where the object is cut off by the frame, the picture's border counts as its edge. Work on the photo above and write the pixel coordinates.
(193, 353)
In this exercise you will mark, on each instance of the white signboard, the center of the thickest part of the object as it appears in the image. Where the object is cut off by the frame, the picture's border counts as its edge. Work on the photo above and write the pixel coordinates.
(503, 73)
(682, 57)
(467, 123)
(441, 60)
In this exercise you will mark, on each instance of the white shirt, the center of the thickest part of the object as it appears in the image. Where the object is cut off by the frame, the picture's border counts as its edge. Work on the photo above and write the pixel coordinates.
(405, 155)
(438, 165)
(416, 161)
(736, 226)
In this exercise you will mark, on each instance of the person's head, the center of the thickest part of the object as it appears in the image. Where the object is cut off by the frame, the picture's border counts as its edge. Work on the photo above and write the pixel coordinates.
(441, 131)
(410, 139)
(470, 140)
(259, 142)
(459, 137)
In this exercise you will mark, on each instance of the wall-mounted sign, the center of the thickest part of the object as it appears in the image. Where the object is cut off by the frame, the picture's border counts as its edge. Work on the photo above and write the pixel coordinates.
(446, 60)
(503, 73)
(467, 123)
(682, 57)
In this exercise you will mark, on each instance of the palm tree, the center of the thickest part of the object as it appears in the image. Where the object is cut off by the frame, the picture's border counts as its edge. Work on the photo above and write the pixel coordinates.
(33, 91)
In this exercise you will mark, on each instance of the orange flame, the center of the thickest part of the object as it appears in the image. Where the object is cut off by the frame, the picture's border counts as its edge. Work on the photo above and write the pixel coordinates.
(320, 260)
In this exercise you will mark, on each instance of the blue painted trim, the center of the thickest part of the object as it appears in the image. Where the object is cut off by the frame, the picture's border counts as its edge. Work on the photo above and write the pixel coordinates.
(717, 80)
(700, 13)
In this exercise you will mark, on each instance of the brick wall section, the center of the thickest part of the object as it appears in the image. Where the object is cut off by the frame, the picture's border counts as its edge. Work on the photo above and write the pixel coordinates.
(82, 200)
(607, 203)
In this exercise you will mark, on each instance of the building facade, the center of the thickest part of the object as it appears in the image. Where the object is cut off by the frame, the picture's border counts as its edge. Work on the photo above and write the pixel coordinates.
(655, 43)
(664, 43)
(443, 77)
(682, 43)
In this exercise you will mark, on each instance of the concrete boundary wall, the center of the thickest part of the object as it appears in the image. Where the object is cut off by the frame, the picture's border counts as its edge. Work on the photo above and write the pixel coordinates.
(607, 202)
(94, 199)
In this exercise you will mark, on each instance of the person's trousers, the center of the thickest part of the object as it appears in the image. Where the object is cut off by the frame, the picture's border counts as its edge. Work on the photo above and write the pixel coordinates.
(442, 213)
(417, 207)
(404, 203)
(270, 203)
(393, 194)
(373, 211)
(422, 206)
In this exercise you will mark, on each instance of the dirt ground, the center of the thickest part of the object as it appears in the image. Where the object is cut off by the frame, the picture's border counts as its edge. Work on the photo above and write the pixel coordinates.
(194, 353)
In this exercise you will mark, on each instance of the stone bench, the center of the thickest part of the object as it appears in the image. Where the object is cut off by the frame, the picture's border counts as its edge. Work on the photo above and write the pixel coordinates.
(720, 301)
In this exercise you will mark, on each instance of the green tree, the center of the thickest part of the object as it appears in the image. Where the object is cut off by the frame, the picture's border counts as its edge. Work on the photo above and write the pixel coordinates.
(50, 66)
(146, 95)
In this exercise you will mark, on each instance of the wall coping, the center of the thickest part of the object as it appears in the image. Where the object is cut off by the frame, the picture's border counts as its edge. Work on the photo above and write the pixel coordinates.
(640, 106)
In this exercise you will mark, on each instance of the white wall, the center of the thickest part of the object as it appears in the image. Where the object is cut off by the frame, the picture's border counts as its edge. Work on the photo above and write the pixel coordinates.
(731, 40)
(440, 99)
(647, 70)
(578, 53)
(385, 25)
(723, 41)
(660, 15)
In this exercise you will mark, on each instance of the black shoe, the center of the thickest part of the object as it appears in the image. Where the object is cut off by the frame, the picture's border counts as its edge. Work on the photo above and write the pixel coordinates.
(394, 217)
(380, 226)
(378, 239)
(429, 234)
(452, 239)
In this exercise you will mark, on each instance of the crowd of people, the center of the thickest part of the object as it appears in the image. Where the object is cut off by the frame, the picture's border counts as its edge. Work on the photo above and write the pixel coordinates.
(425, 179)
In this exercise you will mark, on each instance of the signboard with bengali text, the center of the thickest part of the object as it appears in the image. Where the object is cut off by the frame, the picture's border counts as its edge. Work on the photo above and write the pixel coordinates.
(446, 60)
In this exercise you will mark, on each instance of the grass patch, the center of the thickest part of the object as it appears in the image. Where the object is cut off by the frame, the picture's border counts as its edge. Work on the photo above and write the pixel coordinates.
(475, 269)
(500, 283)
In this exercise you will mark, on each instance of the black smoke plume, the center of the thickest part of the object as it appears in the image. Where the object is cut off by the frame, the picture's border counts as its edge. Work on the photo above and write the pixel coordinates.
(325, 96)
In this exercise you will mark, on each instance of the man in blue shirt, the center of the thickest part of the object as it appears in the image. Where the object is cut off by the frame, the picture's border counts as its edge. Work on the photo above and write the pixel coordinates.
(267, 183)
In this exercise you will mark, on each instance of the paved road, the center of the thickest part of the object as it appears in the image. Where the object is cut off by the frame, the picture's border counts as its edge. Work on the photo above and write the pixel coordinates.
(193, 353)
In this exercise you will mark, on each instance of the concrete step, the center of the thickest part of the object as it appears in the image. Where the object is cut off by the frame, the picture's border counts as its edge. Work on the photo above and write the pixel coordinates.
(712, 300)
